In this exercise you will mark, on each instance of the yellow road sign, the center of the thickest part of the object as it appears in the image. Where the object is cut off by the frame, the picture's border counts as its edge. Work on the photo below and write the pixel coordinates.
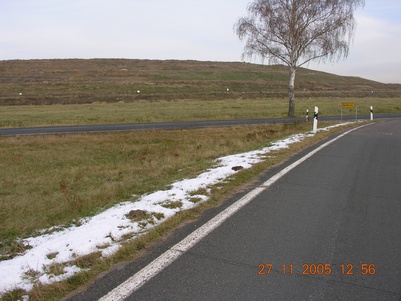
(347, 105)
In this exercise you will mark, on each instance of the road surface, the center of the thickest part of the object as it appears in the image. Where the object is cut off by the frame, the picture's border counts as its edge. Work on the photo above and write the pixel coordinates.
(329, 229)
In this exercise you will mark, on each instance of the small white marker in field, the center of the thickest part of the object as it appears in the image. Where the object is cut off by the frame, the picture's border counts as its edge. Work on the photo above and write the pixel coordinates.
(138, 91)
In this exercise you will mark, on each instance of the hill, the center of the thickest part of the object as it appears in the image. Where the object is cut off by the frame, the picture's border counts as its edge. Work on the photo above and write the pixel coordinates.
(112, 80)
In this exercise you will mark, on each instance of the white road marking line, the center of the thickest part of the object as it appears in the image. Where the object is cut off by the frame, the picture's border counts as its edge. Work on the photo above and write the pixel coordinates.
(152, 269)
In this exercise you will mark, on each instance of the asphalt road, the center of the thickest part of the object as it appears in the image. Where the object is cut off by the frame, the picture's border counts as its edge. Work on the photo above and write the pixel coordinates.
(165, 125)
(330, 228)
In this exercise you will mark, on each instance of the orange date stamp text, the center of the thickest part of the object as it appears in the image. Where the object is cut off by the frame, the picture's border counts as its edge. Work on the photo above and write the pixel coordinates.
(317, 269)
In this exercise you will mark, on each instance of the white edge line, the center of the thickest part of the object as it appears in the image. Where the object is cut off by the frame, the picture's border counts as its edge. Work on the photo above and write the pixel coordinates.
(152, 269)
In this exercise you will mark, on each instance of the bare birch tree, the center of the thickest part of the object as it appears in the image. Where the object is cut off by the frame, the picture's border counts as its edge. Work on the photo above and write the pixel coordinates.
(295, 32)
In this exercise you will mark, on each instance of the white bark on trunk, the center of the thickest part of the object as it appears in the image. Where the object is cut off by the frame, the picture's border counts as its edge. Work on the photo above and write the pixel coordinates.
(291, 95)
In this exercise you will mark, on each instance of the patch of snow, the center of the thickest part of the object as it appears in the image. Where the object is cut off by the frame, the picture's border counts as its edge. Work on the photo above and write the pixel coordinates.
(69, 271)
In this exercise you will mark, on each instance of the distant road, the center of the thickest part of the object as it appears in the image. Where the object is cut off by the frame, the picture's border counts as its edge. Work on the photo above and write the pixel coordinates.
(167, 125)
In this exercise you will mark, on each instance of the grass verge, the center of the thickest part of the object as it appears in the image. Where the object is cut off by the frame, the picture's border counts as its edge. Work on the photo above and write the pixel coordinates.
(48, 181)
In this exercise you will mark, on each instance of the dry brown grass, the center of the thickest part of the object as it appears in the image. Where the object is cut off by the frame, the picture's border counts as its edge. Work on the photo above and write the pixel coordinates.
(112, 80)
(54, 180)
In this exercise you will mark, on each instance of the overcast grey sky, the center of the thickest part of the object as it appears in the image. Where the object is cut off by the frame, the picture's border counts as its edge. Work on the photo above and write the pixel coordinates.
(177, 29)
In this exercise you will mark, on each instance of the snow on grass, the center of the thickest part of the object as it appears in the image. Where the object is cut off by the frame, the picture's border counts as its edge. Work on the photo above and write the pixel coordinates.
(105, 231)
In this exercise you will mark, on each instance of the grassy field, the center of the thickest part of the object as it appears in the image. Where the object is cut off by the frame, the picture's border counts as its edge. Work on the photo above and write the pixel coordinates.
(112, 80)
(184, 110)
(52, 180)
(47, 92)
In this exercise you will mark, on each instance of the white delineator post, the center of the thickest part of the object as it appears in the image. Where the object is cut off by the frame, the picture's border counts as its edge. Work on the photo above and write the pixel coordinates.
(371, 113)
(307, 115)
(315, 119)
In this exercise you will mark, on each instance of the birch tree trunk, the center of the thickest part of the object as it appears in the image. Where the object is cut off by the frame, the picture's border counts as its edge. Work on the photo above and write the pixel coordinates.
(291, 93)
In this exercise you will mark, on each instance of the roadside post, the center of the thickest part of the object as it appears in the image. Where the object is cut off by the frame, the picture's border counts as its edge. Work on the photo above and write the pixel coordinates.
(315, 119)
(371, 113)
(307, 115)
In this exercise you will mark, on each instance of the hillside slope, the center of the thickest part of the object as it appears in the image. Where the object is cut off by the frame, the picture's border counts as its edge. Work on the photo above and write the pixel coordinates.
(112, 80)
